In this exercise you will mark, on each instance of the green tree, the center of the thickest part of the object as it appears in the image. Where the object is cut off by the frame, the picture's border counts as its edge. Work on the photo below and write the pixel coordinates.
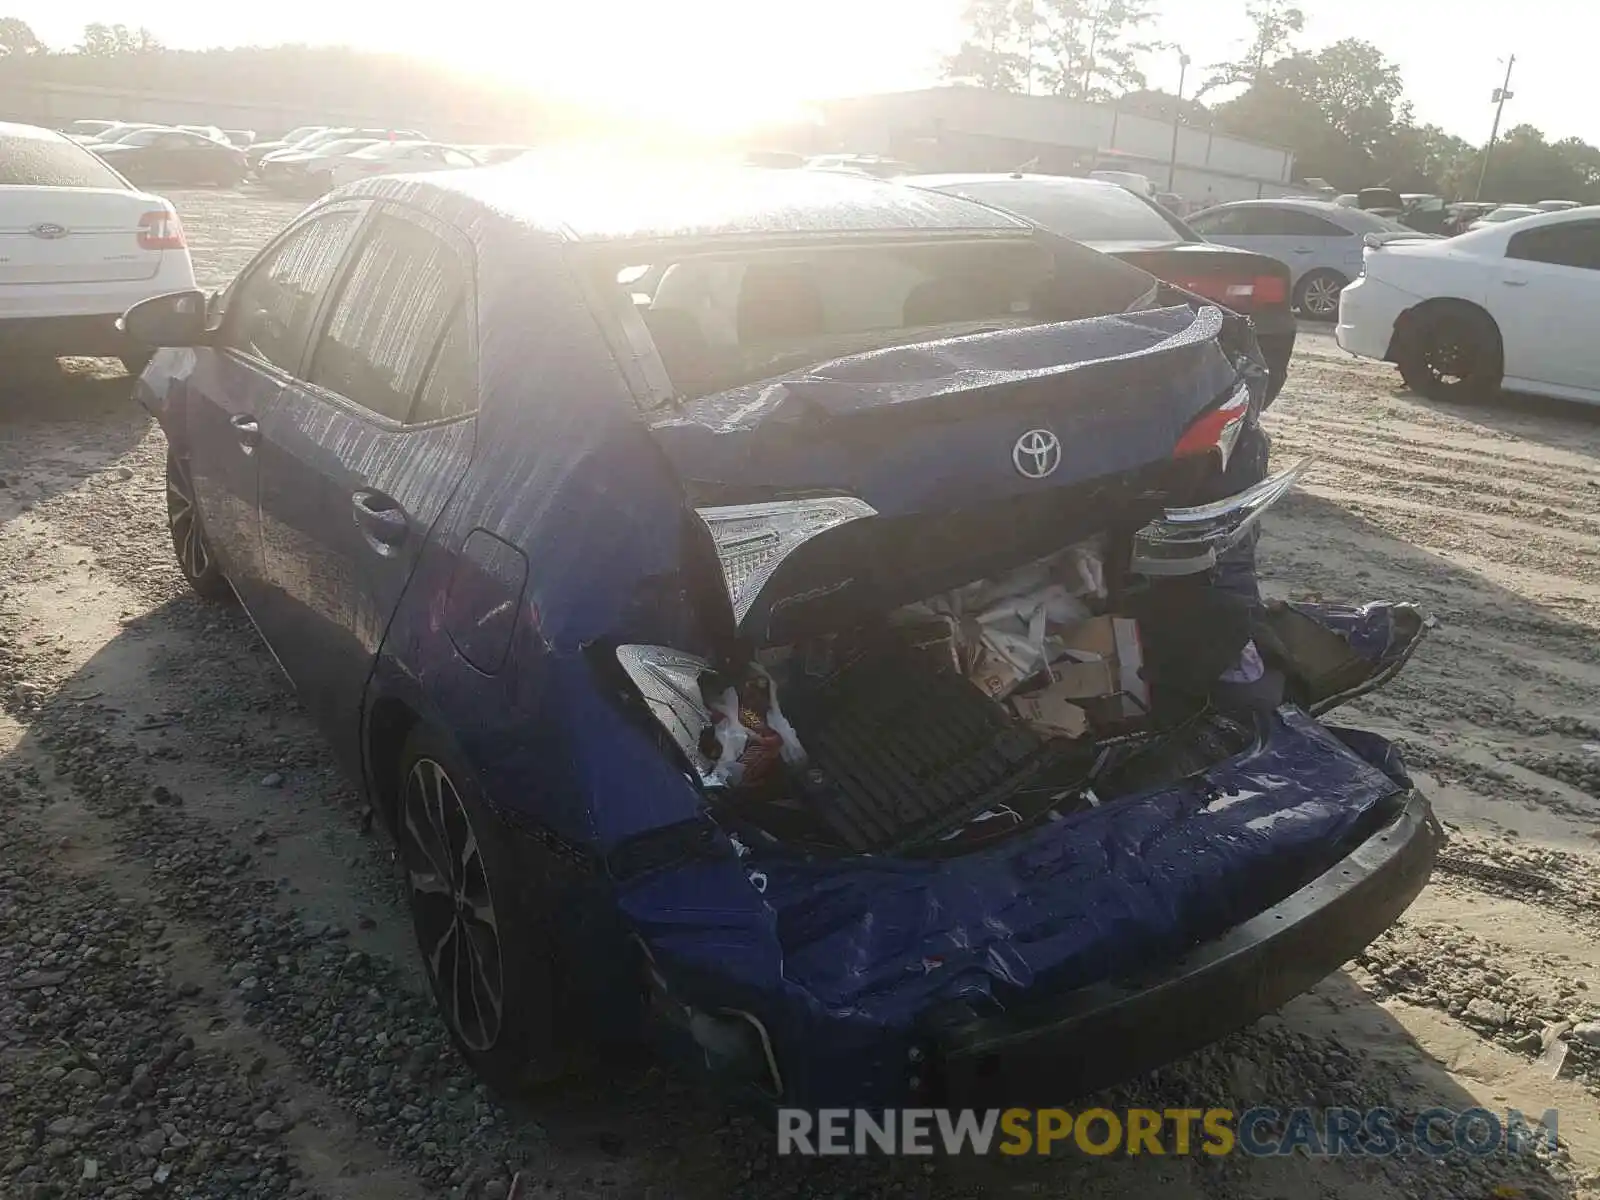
(17, 38)
(1275, 22)
(995, 54)
(1424, 158)
(1089, 49)
(108, 41)
(1524, 167)
(1336, 109)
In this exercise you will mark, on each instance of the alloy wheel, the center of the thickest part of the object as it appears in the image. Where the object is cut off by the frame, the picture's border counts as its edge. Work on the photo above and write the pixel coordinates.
(452, 905)
(1447, 359)
(1322, 296)
(193, 554)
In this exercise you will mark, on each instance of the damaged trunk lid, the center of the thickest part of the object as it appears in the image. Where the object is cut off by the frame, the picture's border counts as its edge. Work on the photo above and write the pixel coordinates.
(863, 483)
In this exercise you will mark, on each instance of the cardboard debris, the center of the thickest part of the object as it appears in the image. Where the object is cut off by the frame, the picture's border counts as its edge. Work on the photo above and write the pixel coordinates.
(1102, 659)
(1052, 712)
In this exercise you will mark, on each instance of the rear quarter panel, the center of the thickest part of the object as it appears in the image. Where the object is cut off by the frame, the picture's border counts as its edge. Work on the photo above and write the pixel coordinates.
(567, 474)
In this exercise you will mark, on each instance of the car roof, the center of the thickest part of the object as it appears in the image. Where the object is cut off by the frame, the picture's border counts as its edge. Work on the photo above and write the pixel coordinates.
(38, 133)
(627, 202)
(1321, 206)
(941, 182)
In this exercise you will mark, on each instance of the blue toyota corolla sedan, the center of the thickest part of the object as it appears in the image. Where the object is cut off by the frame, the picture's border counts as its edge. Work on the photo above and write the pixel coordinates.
(802, 617)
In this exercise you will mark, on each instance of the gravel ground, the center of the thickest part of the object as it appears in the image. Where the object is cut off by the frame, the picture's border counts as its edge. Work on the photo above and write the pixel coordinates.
(207, 984)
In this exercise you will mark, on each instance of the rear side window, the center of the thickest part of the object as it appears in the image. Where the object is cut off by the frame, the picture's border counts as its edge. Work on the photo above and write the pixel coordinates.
(397, 301)
(451, 389)
(1574, 244)
(46, 162)
(271, 311)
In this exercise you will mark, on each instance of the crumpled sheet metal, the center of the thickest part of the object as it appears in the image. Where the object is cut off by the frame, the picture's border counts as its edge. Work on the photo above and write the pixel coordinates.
(1118, 391)
(843, 958)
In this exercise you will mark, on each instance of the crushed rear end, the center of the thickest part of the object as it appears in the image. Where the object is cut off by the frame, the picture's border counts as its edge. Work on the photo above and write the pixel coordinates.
(1012, 783)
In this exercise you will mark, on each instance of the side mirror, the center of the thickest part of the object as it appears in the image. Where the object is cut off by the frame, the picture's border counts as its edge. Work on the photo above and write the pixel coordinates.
(176, 319)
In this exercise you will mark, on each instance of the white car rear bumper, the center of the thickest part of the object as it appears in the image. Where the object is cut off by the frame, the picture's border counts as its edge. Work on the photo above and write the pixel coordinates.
(33, 300)
(1368, 310)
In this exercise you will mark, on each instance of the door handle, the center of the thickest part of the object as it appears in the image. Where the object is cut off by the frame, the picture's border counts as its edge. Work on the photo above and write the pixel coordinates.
(1304, 250)
(1515, 282)
(248, 429)
(381, 519)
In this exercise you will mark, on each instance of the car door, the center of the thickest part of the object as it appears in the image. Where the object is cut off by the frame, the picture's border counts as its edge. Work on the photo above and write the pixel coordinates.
(171, 158)
(1546, 287)
(359, 458)
(1302, 241)
(267, 318)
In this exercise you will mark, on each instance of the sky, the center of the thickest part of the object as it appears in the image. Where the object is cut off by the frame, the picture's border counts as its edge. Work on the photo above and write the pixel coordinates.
(718, 64)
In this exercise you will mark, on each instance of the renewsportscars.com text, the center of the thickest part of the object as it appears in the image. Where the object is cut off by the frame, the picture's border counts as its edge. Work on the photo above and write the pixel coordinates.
(1256, 1132)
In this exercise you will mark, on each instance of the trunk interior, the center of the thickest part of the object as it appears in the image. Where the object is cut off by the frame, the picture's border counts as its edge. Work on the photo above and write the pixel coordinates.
(955, 722)
(947, 724)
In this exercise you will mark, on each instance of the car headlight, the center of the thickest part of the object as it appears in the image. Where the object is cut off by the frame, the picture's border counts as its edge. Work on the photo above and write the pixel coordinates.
(752, 540)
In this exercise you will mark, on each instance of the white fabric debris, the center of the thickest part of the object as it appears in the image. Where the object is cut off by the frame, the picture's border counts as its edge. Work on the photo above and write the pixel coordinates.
(792, 752)
(1249, 668)
(733, 736)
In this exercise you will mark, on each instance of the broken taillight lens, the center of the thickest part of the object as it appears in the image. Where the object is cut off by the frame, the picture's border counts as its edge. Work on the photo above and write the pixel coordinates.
(161, 230)
(1217, 430)
(753, 539)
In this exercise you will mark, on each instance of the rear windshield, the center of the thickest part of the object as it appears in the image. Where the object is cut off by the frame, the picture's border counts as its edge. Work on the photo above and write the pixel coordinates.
(1085, 214)
(46, 162)
(720, 320)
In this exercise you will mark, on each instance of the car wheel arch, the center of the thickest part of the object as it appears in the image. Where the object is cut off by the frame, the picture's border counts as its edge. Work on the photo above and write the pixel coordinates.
(390, 721)
(1441, 306)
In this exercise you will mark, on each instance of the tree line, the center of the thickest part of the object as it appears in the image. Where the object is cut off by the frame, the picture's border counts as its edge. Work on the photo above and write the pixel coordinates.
(1340, 109)
(320, 81)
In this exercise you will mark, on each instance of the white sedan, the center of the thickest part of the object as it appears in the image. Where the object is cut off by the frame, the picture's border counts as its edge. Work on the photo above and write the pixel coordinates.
(1507, 305)
(79, 245)
(399, 158)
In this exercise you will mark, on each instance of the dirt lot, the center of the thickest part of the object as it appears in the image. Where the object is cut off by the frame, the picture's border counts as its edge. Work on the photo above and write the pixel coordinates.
(207, 985)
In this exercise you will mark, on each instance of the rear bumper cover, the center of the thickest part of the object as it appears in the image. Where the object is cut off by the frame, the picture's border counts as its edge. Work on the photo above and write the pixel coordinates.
(1108, 1032)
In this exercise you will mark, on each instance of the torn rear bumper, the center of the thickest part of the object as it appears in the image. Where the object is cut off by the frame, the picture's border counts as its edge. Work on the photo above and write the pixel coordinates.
(1109, 1032)
(1185, 541)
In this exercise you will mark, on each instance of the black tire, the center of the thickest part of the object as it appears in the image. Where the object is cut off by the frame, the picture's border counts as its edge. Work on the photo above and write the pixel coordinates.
(189, 541)
(1451, 352)
(488, 953)
(1317, 295)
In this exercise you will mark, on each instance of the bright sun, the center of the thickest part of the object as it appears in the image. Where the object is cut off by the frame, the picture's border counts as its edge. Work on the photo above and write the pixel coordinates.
(706, 65)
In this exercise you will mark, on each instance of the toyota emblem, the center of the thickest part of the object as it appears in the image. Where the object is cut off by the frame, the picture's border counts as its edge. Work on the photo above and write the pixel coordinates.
(49, 231)
(1036, 454)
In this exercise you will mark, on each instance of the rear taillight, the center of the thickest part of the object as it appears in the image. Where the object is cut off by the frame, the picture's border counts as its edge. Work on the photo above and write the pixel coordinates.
(161, 230)
(1241, 294)
(1217, 430)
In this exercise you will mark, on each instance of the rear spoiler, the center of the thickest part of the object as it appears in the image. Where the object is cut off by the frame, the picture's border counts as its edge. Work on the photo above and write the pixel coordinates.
(1377, 241)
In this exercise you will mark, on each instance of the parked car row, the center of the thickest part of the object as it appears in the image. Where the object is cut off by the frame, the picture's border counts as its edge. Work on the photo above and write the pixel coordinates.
(306, 161)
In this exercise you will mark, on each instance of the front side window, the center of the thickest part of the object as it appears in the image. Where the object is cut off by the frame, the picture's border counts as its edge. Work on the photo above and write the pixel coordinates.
(401, 292)
(1225, 222)
(271, 309)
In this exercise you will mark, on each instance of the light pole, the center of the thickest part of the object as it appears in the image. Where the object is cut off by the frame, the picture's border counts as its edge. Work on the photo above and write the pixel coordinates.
(1177, 118)
(1501, 95)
